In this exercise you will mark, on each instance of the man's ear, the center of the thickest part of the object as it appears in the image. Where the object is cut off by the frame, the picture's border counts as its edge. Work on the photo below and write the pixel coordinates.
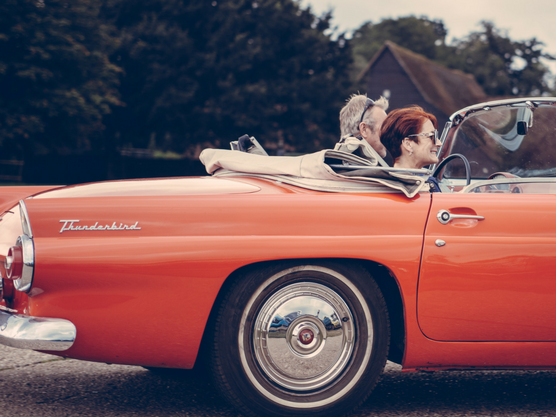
(362, 127)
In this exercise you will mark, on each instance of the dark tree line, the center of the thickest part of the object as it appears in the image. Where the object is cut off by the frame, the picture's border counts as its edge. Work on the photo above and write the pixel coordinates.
(57, 82)
(208, 72)
(174, 76)
(171, 75)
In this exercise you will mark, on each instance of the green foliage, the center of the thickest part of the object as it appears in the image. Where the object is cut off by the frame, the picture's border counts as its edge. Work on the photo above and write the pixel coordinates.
(208, 72)
(501, 66)
(55, 76)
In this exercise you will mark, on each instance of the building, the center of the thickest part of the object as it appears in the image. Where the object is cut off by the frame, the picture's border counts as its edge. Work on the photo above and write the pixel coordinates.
(405, 78)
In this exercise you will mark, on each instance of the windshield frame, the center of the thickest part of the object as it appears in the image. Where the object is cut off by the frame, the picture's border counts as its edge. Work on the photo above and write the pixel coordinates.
(458, 117)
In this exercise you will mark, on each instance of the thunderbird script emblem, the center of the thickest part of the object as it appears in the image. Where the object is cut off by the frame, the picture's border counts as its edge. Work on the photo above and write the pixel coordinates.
(71, 225)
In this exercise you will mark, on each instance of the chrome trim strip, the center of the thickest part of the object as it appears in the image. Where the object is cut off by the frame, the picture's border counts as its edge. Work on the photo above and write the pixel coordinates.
(28, 251)
(528, 101)
(36, 333)
(529, 180)
(25, 223)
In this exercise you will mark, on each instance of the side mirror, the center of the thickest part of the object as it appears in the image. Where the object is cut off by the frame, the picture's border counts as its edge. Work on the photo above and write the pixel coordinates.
(522, 128)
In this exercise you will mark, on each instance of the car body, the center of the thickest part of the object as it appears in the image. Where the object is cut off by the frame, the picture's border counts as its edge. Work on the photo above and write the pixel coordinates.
(295, 294)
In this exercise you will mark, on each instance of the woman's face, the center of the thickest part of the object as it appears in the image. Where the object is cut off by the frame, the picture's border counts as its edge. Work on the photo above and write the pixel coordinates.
(424, 152)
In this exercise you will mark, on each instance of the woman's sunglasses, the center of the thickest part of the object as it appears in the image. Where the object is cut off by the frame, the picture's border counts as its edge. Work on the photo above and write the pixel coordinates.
(432, 135)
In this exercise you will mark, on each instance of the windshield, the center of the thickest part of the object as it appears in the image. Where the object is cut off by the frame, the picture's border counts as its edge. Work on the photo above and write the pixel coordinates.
(515, 138)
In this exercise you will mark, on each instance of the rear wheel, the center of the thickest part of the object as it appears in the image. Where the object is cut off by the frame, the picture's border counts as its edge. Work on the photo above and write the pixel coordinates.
(295, 339)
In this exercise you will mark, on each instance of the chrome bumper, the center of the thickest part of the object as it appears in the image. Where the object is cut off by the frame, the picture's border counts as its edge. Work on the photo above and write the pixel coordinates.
(36, 333)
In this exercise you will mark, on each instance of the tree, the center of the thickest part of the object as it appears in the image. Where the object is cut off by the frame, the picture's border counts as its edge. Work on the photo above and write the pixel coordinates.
(199, 73)
(500, 65)
(55, 76)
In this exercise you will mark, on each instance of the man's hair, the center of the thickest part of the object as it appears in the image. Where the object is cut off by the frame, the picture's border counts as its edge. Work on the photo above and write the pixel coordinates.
(350, 115)
(403, 122)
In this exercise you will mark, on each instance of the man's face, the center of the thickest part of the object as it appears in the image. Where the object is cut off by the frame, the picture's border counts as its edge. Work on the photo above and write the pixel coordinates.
(373, 137)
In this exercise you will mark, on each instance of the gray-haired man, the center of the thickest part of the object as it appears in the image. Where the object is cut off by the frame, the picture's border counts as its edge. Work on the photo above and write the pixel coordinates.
(362, 118)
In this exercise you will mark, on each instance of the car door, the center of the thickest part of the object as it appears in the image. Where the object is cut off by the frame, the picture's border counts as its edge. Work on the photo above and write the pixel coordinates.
(491, 279)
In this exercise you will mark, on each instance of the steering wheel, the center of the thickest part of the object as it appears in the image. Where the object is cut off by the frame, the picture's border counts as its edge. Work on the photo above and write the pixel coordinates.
(515, 189)
(450, 158)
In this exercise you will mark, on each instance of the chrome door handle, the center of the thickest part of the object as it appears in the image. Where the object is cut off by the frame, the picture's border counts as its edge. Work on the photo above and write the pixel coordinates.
(445, 217)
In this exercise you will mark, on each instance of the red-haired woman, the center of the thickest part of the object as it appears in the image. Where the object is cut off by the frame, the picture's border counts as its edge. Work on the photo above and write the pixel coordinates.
(411, 136)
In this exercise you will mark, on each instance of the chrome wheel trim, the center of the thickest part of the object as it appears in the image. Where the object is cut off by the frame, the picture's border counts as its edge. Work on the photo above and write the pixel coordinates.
(366, 354)
(302, 355)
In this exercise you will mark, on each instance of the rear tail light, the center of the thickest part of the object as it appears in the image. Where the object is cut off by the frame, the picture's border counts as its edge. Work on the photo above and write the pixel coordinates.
(19, 264)
(13, 264)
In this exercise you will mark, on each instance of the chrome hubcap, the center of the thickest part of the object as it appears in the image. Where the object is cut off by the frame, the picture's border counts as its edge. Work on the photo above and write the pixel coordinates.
(304, 336)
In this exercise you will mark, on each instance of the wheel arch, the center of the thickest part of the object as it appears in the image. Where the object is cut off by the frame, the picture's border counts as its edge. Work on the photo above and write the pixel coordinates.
(391, 292)
(384, 278)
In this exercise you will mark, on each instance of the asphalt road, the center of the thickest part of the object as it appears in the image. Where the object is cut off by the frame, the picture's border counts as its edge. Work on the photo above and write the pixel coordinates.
(35, 384)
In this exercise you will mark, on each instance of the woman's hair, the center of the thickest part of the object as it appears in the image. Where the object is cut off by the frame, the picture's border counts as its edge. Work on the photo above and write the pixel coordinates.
(403, 122)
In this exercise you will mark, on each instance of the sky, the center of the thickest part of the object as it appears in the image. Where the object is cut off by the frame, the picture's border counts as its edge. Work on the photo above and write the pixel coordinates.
(523, 19)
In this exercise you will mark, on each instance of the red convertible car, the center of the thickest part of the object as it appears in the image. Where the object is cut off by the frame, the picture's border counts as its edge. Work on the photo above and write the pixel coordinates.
(177, 272)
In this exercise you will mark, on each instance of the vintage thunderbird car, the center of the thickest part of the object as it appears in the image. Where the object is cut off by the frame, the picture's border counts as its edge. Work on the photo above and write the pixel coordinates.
(180, 272)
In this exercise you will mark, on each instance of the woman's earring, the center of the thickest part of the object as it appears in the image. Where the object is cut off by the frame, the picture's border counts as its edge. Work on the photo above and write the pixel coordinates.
(410, 152)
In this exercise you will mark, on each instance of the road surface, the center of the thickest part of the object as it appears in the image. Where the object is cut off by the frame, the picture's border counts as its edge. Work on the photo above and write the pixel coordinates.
(35, 384)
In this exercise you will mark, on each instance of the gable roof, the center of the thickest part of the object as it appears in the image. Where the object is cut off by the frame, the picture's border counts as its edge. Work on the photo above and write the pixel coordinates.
(447, 89)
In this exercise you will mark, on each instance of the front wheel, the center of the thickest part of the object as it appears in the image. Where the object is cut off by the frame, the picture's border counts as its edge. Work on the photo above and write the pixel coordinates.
(295, 339)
